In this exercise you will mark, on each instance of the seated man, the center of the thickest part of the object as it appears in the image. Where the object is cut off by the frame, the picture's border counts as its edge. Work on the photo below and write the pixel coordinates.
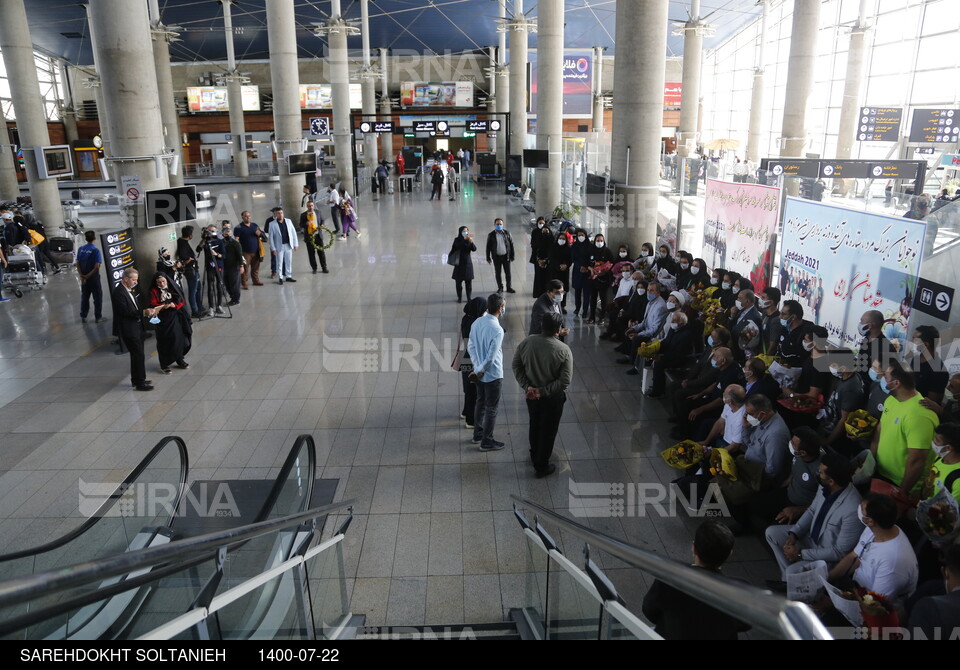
(678, 616)
(786, 503)
(940, 614)
(648, 329)
(882, 560)
(700, 377)
(830, 527)
(758, 381)
(675, 351)
(708, 405)
(727, 432)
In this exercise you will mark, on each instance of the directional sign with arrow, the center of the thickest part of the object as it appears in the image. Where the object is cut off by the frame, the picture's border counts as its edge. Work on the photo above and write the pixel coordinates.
(933, 299)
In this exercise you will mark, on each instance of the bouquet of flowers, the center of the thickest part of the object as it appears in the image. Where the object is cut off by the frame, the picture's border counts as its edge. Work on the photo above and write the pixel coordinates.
(683, 455)
(860, 425)
(939, 517)
(722, 461)
(648, 349)
(803, 404)
(876, 609)
(713, 314)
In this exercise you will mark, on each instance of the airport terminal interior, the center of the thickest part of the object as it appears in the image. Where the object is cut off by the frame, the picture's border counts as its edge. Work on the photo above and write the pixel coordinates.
(320, 411)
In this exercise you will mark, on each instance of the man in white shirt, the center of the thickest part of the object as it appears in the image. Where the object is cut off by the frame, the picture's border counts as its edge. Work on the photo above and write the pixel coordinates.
(333, 202)
(283, 240)
(728, 429)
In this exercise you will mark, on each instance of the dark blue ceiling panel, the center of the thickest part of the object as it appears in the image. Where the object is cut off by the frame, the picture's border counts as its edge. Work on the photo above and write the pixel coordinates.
(59, 27)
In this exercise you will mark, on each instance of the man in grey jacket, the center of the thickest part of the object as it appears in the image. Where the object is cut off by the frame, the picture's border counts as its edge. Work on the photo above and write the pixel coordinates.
(648, 329)
(830, 527)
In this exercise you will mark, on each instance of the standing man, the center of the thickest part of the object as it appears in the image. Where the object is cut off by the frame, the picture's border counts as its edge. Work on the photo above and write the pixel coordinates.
(543, 366)
(283, 240)
(89, 260)
(213, 250)
(191, 270)
(233, 263)
(249, 235)
(333, 202)
(500, 253)
(266, 238)
(382, 173)
(310, 222)
(548, 303)
(485, 347)
(129, 315)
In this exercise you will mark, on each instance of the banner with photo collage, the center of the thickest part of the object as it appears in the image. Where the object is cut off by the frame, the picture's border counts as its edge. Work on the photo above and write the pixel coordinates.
(740, 227)
(839, 263)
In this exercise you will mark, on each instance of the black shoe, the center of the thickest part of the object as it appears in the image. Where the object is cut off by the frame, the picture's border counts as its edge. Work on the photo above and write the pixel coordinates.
(626, 360)
(499, 290)
(633, 371)
(148, 382)
(143, 387)
(233, 303)
(510, 290)
(326, 271)
(551, 468)
(101, 319)
(83, 319)
(291, 280)
(654, 394)
(314, 270)
(281, 282)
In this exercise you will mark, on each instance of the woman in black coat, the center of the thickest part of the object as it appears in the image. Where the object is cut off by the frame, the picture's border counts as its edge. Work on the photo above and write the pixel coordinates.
(462, 247)
(558, 265)
(599, 278)
(472, 311)
(541, 239)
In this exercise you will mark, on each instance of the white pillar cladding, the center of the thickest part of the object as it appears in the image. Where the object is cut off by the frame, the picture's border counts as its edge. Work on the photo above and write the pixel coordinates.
(637, 119)
(386, 110)
(693, 31)
(285, 77)
(336, 30)
(503, 84)
(853, 86)
(16, 48)
(519, 36)
(168, 108)
(128, 78)
(238, 130)
(803, 58)
(550, 101)
(68, 113)
(755, 133)
(598, 89)
(369, 89)
(9, 184)
(103, 114)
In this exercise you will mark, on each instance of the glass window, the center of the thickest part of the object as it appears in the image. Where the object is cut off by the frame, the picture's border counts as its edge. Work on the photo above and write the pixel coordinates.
(941, 16)
(929, 89)
(937, 51)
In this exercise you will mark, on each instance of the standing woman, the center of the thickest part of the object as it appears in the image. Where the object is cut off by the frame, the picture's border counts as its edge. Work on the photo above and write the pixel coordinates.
(472, 311)
(174, 332)
(462, 247)
(580, 260)
(558, 265)
(600, 277)
(348, 214)
(541, 240)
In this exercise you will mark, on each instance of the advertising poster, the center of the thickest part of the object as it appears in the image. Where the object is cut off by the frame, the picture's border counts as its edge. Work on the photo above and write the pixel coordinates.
(215, 99)
(839, 263)
(740, 226)
(436, 94)
(320, 96)
(577, 83)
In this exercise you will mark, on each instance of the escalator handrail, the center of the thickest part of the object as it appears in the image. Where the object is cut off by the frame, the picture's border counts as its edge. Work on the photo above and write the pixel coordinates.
(281, 480)
(114, 498)
(21, 589)
(761, 609)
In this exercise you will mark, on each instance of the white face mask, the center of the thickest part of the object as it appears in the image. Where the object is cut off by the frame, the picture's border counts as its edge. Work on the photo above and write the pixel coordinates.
(561, 242)
(581, 238)
(735, 290)
(558, 298)
(714, 281)
(793, 452)
(627, 275)
(644, 254)
(540, 225)
(672, 306)
(913, 348)
(948, 394)
(695, 270)
(860, 514)
(764, 304)
(808, 346)
(864, 329)
(725, 285)
(599, 244)
(674, 325)
(835, 372)
(739, 305)
(623, 254)
(753, 421)
(684, 266)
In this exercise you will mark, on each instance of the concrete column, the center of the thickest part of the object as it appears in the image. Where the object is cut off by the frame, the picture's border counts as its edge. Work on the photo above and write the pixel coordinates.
(518, 80)
(550, 101)
(168, 108)
(598, 89)
(503, 85)
(803, 56)
(687, 134)
(9, 185)
(103, 113)
(67, 111)
(853, 85)
(637, 119)
(238, 129)
(340, 85)
(386, 110)
(282, 37)
(754, 134)
(128, 77)
(368, 89)
(16, 48)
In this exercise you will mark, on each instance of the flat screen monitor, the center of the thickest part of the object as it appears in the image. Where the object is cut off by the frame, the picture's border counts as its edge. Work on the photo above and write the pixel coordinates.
(171, 205)
(302, 163)
(536, 158)
(53, 162)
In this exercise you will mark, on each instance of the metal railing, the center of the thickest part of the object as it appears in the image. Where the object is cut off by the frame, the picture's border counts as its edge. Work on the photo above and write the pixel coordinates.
(762, 610)
(209, 170)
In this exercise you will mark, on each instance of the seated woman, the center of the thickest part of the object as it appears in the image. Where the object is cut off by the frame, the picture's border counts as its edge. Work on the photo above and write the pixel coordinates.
(630, 312)
(175, 331)
(814, 379)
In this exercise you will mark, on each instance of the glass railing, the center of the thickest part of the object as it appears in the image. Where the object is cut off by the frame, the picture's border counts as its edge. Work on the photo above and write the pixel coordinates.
(566, 601)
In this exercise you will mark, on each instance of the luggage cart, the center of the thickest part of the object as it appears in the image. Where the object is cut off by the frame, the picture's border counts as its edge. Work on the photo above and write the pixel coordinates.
(22, 272)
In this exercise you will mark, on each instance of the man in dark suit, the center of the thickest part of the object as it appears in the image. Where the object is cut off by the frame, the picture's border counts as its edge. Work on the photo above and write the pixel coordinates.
(758, 381)
(128, 316)
(500, 252)
(548, 303)
(747, 324)
(675, 352)
(940, 614)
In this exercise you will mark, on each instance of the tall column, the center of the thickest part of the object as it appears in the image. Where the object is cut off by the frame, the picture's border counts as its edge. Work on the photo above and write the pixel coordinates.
(238, 129)
(336, 29)
(692, 62)
(168, 108)
(754, 135)
(598, 89)
(128, 77)
(518, 79)
(9, 184)
(803, 56)
(368, 89)
(386, 110)
(103, 113)
(503, 83)
(852, 87)
(282, 38)
(16, 48)
(550, 101)
(68, 112)
(637, 119)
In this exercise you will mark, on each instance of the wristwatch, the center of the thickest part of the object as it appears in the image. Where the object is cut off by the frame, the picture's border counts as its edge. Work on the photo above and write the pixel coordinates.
(800, 555)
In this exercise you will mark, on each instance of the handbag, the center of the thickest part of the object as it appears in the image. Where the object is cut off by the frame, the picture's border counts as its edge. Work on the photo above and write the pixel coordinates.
(453, 258)
(461, 360)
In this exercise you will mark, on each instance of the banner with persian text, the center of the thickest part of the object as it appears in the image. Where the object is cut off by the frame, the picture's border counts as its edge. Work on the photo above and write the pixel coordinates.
(740, 227)
(840, 263)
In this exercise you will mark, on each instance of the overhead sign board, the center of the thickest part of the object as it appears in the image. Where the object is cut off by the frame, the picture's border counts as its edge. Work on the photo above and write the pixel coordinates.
(937, 126)
(376, 126)
(880, 124)
(477, 126)
(795, 167)
(424, 126)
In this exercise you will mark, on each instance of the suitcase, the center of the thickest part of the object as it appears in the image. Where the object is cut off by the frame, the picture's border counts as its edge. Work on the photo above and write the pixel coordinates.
(60, 245)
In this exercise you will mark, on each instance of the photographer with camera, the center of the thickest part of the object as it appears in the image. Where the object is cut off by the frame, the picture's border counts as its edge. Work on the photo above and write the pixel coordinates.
(213, 252)
(187, 259)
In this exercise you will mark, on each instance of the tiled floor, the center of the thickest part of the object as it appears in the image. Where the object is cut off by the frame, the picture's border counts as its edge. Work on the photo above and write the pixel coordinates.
(434, 540)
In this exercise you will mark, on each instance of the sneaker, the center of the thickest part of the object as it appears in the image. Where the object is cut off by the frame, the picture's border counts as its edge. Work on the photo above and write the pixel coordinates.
(493, 445)
(477, 439)
(4, 299)
(358, 234)
(291, 279)
(218, 310)
(469, 425)
(166, 371)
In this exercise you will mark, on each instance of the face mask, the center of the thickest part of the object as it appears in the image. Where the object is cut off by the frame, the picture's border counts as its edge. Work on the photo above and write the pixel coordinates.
(714, 363)
(735, 290)
(940, 449)
(783, 322)
(561, 242)
(793, 452)
(651, 296)
(883, 385)
(913, 348)
(725, 286)
(860, 515)
(465, 233)
(599, 245)
(581, 238)
(644, 254)
(684, 266)
(627, 275)
(660, 254)
(499, 227)
(753, 421)
(836, 372)
(695, 270)
(739, 305)
(808, 346)
(504, 312)
(674, 325)
(764, 304)
(713, 281)
(672, 306)
(710, 340)
(558, 298)
(874, 375)
(623, 254)
(155, 320)
(947, 394)
(864, 328)
(540, 225)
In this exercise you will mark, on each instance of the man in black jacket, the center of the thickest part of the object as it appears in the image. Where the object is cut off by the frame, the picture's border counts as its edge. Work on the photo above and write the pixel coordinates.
(128, 317)
(675, 352)
(500, 252)
(310, 221)
(548, 303)
(233, 263)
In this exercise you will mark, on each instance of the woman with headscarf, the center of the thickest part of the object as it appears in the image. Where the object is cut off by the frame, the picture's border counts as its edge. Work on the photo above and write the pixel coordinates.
(558, 265)
(599, 278)
(348, 215)
(167, 265)
(461, 249)
(472, 311)
(541, 240)
(173, 327)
